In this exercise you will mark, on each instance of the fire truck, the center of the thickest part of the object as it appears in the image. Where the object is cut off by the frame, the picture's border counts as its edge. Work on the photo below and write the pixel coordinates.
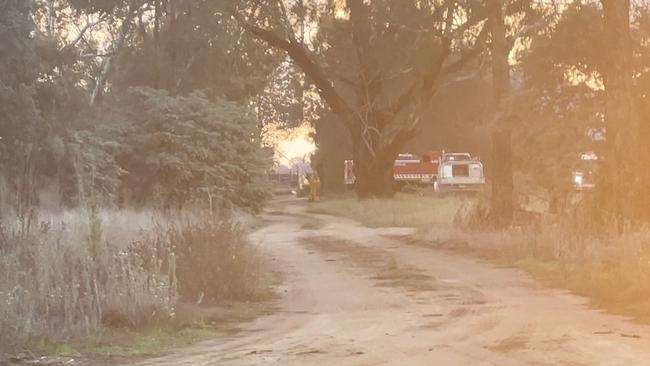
(408, 169)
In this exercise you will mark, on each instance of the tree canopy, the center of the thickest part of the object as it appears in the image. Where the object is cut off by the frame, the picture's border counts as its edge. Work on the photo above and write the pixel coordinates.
(122, 98)
(130, 103)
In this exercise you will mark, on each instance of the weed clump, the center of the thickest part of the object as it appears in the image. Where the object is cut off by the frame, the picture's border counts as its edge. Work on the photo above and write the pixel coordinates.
(214, 261)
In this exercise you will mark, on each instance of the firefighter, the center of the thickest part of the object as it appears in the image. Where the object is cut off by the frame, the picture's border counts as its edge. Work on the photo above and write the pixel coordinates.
(314, 187)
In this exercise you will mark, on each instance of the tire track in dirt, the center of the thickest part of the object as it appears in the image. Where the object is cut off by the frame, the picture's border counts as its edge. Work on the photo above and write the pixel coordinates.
(379, 265)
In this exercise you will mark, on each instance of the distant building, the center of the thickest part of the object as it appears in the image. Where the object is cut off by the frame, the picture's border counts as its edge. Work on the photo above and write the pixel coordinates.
(291, 176)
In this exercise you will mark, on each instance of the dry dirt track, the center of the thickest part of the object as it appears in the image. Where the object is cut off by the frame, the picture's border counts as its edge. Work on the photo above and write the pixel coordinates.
(353, 296)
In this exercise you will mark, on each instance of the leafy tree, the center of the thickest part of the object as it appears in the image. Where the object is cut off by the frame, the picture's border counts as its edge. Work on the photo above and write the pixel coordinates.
(288, 100)
(20, 128)
(568, 74)
(187, 148)
(624, 175)
(189, 45)
(87, 51)
(379, 97)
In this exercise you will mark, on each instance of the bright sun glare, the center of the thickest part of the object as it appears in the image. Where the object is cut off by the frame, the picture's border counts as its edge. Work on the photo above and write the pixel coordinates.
(290, 145)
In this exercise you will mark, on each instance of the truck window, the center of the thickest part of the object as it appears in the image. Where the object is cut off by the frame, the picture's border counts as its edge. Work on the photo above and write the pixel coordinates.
(460, 170)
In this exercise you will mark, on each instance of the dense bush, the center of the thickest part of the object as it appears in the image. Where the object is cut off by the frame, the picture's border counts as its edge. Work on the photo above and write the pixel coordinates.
(188, 147)
(150, 148)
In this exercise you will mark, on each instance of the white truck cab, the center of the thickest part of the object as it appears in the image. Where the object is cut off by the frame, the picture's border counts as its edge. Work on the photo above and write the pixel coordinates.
(459, 172)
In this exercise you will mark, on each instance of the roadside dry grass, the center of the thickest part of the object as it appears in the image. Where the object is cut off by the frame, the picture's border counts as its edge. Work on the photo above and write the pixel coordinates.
(612, 270)
(405, 210)
(116, 283)
(117, 346)
(192, 324)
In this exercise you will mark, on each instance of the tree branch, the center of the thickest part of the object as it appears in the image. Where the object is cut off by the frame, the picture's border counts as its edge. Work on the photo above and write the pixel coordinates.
(107, 62)
(527, 30)
(300, 55)
(427, 87)
(287, 22)
(479, 47)
(82, 33)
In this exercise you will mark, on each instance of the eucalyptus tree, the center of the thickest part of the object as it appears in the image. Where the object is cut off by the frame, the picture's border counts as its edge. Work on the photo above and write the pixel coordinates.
(508, 22)
(591, 70)
(624, 182)
(376, 65)
(184, 45)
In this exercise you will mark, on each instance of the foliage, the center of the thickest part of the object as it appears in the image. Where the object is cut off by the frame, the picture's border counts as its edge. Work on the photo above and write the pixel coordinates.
(190, 45)
(189, 148)
(562, 94)
(549, 134)
(351, 59)
(21, 131)
(288, 100)
(94, 174)
(571, 51)
(70, 56)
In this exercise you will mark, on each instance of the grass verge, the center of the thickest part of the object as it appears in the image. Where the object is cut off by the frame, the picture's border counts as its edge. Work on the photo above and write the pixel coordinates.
(405, 210)
(613, 273)
(611, 270)
(89, 288)
(127, 345)
(192, 325)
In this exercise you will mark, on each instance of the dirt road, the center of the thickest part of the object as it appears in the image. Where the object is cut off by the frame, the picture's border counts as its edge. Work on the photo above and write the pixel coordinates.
(354, 296)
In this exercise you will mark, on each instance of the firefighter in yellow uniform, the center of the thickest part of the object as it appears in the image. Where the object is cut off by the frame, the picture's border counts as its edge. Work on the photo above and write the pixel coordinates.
(314, 187)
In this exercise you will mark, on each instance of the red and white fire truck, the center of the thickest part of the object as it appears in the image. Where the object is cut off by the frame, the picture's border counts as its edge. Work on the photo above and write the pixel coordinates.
(408, 169)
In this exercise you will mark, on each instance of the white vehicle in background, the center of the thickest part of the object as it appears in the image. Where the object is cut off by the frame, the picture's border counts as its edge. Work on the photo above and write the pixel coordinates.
(585, 173)
(459, 172)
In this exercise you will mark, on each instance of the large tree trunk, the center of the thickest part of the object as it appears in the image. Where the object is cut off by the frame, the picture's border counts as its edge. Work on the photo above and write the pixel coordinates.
(502, 205)
(502, 181)
(500, 50)
(374, 173)
(621, 185)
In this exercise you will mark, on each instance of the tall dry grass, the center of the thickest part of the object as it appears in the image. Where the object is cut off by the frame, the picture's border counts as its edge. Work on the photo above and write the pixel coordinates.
(65, 279)
(77, 273)
(214, 260)
(609, 266)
